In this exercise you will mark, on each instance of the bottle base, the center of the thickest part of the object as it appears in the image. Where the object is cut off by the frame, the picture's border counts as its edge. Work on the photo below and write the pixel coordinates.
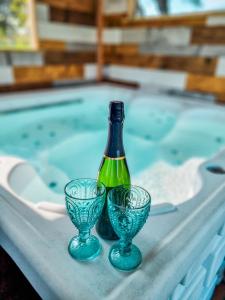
(109, 238)
(106, 235)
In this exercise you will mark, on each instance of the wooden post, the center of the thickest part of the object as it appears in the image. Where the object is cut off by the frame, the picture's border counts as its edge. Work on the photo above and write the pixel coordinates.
(131, 7)
(100, 28)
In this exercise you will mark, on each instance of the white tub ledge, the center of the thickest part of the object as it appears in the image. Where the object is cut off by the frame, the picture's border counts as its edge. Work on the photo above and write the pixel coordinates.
(37, 241)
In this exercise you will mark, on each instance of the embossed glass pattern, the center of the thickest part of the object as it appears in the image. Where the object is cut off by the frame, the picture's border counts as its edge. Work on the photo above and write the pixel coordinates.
(128, 208)
(84, 202)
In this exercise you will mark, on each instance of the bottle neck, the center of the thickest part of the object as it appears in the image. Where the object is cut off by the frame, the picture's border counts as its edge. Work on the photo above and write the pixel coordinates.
(114, 148)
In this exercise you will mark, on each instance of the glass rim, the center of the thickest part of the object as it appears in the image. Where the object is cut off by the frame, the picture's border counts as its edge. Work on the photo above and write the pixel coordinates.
(83, 199)
(134, 186)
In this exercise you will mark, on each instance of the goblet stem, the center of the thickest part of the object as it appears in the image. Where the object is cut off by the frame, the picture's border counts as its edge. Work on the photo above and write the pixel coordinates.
(84, 235)
(125, 247)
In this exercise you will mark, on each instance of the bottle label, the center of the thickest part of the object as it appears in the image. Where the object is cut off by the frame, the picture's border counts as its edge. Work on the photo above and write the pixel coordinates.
(115, 158)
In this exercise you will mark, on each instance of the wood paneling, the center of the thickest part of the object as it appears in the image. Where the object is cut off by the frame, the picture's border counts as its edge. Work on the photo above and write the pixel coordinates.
(208, 35)
(61, 57)
(67, 16)
(196, 65)
(206, 84)
(85, 6)
(201, 70)
(182, 20)
(47, 73)
(52, 45)
(123, 49)
(131, 8)
(81, 18)
(57, 14)
(142, 61)
(55, 3)
(220, 98)
(129, 84)
(25, 86)
(114, 20)
(122, 21)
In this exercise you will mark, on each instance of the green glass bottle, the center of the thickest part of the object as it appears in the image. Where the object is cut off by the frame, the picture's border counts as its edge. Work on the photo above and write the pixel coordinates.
(113, 169)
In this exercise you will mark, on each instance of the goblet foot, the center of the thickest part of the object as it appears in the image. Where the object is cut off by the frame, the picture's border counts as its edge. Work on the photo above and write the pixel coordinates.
(125, 262)
(87, 250)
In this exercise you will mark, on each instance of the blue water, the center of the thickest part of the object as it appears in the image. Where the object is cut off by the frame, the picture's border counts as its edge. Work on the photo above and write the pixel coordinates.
(67, 141)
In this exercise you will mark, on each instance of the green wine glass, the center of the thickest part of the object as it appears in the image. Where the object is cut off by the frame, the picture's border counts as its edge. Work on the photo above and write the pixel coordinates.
(84, 202)
(128, 208)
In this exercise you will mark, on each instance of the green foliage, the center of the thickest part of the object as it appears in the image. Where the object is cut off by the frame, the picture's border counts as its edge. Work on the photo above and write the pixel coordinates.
(17, 8)
(12, 15)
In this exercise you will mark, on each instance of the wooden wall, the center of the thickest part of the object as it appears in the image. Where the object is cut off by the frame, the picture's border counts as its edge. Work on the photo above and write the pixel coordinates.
(66, 33)
(182, 52)
(189, 49)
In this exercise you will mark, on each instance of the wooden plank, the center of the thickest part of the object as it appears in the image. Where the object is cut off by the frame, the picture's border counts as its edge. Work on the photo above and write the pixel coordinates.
(57, 14)
(167, 21)
(51, 45)
(220, 98)
(190, 64)
(85, 6)
(62, 57)
(100, 46)
(25, 87)
(124, 49)
(47, 73)
(114, 20)
(198, 19)
(70, 16)
(208, 35)
(142, 61)
(32, 24)
(196, 65)
(206, 84)
(81, 18)
(129, 84)
(55, 3)
(81, 5)
(131, 8)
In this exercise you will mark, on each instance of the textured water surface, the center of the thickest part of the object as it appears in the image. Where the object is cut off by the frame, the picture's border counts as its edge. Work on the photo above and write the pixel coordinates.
(67, 141)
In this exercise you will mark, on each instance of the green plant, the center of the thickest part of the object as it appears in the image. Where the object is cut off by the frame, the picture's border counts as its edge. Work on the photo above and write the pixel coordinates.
(12, 15)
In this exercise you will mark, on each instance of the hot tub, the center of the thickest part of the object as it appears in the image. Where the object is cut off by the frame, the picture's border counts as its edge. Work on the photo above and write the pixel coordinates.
(63, 134)
(174, 148)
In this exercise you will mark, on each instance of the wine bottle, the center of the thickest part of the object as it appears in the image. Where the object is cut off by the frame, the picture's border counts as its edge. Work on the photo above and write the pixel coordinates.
(113, 170)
